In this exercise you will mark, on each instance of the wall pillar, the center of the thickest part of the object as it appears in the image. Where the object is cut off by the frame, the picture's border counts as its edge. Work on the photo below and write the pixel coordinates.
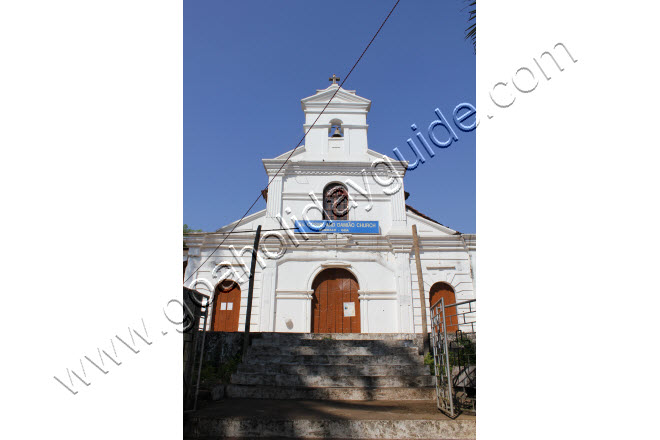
(274, 203)
(267, 309)
(404, 291)
(399, 209)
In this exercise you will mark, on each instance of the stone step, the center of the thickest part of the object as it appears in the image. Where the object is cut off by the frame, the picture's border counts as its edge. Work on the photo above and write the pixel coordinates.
(332, 350)
(340, 336)
(336, 370)
(396, 419)
(318, 427)
(273, 342)
(329, 393)
(252, 359)
(291, 380)
(240, 428)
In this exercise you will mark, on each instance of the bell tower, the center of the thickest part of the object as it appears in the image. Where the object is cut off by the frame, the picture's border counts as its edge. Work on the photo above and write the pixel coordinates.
(340, 134)
(335, 154)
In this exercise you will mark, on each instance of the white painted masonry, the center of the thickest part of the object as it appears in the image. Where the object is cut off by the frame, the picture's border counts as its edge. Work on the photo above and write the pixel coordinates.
(383, 264)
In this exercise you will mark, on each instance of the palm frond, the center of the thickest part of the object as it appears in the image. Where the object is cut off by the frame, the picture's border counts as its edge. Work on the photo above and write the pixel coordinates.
(471, 31)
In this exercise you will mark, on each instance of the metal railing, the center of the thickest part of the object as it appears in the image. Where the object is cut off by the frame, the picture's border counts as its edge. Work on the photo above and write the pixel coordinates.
(453, 339)
(195, 318)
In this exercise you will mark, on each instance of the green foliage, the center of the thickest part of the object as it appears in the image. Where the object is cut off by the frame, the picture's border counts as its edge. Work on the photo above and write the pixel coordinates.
(187, 230)
(212, 374)
(428, 360)
(461, 352)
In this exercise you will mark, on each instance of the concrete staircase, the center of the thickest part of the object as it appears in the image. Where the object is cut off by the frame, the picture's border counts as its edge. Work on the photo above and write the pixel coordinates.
(328, 386)
(345, 366)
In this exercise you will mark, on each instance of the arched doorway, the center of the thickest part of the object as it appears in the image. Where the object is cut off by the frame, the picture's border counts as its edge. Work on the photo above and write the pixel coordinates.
(444, 290)
(335, 304)
(226, 307)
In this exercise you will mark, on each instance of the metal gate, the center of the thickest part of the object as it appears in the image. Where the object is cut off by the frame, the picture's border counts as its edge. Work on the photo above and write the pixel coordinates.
(454, 356)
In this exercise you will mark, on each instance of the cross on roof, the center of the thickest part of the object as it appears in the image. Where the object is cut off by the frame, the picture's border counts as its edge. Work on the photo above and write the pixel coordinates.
(334, 78)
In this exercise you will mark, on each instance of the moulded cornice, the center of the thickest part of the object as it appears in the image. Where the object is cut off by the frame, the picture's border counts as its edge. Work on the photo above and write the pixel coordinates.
(343, 108)
(336, 264)
(293, 294)
(407, 237)
(329, 168)
(397, 243)
(340, 98)
(377, 294)
(307, 126)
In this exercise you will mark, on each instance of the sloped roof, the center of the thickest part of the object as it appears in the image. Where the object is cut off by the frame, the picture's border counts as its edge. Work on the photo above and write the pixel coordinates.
(244, 221)
(413, 210)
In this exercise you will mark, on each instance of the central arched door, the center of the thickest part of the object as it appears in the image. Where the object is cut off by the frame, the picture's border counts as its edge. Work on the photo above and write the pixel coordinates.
(335, 304)
(226, 307)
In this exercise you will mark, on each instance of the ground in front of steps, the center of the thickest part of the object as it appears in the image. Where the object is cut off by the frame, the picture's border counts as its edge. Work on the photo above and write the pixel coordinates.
(324, 409)
(327, 419)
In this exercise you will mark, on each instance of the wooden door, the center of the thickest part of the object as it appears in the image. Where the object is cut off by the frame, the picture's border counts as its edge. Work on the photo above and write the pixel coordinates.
(444, 290)
(335, 299)
(226, 307)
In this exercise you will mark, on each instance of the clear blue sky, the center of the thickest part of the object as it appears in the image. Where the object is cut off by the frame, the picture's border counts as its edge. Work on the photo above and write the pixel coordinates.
(248, 64)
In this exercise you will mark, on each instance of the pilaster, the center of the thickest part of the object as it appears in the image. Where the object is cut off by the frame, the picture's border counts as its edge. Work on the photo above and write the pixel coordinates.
(399, 209)
(404, 291)
(274, 203)
(268, 298)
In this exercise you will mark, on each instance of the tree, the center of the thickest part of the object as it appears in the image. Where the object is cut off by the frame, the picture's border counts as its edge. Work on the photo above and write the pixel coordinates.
(187, 230)
(471, 31)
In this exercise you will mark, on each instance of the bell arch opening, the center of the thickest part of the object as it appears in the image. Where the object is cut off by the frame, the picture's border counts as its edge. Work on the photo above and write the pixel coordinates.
(335, 130)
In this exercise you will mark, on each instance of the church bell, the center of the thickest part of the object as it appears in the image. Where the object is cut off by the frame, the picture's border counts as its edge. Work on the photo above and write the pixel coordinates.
(337, 133)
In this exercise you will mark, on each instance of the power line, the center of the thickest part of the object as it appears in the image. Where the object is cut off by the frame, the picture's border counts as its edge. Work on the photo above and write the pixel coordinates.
(247, 231)
(333, 95)
(299, 142)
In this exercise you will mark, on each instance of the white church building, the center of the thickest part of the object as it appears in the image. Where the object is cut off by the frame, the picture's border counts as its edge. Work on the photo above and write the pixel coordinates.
(356, 271)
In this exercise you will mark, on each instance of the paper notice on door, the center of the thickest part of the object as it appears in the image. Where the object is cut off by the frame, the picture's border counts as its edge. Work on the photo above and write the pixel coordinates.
(349, 309)
(230, 306)
(223, 306)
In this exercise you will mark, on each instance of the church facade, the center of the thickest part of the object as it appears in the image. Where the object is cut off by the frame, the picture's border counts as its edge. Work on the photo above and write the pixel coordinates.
(336, 252)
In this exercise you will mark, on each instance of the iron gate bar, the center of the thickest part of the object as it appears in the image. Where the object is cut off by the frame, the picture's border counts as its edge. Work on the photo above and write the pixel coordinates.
(446, 350)
(462, 374)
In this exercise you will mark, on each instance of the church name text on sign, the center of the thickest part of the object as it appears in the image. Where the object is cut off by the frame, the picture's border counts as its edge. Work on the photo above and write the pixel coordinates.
(338, 227)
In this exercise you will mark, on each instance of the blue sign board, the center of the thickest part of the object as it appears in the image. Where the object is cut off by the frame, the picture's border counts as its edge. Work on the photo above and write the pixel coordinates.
(337, 226)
